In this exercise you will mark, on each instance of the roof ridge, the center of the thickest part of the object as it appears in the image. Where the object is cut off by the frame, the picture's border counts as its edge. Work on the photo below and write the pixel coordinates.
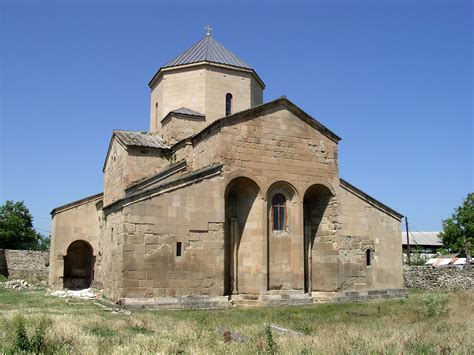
(207, 46)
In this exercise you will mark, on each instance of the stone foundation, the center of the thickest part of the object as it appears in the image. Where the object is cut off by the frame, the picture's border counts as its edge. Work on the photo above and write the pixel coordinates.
(270, 298)
(185, 302)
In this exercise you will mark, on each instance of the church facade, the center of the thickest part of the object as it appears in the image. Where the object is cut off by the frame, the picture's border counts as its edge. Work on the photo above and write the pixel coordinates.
(226, 199)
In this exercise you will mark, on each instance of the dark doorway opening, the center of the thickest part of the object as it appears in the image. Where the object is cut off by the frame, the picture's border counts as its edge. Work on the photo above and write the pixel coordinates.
(78, 266)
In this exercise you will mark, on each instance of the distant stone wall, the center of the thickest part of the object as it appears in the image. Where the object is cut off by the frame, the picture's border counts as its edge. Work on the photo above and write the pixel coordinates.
(441, 278)
(30, 265)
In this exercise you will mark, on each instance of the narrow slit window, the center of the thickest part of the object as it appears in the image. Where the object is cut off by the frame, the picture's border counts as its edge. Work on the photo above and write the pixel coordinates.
(179, 247)
(368, 257)
(279, 212)
(228, 104)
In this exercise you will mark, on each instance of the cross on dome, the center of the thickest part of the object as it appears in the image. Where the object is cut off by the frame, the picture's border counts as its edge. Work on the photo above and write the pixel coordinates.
(208, 29)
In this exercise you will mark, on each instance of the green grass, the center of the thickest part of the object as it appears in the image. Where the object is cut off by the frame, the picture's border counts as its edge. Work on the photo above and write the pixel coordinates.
(425, 323)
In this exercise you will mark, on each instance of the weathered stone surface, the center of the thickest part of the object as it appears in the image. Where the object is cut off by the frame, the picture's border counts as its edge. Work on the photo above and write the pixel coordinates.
(24, 264)
(440, 278)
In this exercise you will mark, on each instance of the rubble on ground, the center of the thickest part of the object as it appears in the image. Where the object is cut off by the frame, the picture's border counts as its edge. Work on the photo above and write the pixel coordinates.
(85, 294)
(17, 285)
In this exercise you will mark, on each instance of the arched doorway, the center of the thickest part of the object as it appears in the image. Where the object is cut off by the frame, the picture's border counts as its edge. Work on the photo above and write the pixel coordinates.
(78, 266)
(242, 240)
(315, 211)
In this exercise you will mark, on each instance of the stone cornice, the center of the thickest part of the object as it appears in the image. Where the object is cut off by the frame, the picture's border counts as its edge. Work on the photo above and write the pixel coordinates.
(160, 175)
(76, 203)
(160, 71)
(173, 184)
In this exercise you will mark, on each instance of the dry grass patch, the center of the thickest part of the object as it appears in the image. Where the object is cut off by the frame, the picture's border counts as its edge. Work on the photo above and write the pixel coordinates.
(425, 323)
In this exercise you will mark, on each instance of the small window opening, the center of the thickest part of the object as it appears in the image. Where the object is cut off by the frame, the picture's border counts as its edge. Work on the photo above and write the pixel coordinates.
(112, 235)
(368, 257)
(228, 104)
(279, 212)
(179, 248)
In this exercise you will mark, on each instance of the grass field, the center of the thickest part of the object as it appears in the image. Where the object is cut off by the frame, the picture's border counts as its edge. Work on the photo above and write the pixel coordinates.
(425, 323)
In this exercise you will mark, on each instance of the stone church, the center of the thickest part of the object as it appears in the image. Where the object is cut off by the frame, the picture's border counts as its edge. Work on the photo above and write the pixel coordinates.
(226, 200)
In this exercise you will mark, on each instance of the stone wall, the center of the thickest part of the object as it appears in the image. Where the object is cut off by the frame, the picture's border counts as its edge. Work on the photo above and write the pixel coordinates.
(31, 265)
(441, 278)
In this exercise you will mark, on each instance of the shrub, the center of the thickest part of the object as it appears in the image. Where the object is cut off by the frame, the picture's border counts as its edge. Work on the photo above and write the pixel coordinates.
(418, 259)
(434, 305)
(37, 342)
(21, 343)
(272, 347)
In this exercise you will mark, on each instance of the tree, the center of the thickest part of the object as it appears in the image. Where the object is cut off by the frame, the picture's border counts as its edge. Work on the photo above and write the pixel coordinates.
(458, 231)
(16, 227)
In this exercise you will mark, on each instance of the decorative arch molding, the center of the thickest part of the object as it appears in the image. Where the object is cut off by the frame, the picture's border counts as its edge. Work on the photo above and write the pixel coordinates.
(323, 184)
(285, 188)
(240, 174)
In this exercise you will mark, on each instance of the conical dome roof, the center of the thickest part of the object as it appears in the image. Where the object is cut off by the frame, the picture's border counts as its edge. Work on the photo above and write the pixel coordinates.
(207, 50)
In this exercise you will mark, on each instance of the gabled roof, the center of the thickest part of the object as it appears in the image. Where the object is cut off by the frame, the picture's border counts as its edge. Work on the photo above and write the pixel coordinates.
(260, 109)
(136, 139)
(207, 50)
(140, 139)
(76, 203)
(376, 203)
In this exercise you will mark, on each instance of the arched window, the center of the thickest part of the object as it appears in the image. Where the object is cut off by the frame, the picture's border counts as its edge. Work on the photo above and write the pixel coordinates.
(368, 257)
(279, 212)
(228, 104)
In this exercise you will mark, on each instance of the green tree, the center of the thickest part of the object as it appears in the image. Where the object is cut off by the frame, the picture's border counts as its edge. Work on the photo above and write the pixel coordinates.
(16, 227)
(458, 231)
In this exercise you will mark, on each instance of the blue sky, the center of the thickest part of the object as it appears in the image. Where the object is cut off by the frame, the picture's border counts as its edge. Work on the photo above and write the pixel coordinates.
(392, 78)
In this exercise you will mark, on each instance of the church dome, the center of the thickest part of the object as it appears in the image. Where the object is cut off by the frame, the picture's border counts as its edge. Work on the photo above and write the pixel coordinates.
(207, 49)
(206, 78)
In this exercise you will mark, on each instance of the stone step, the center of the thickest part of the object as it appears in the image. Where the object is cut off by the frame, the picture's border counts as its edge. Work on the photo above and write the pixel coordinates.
(283, 292)
(246, 303)
(272, 300)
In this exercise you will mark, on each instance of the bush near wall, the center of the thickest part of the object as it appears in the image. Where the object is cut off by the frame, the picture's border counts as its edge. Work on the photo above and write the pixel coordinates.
(440, 278)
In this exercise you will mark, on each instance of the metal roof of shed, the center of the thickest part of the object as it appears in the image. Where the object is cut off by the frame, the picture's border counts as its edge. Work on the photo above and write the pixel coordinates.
(423, 238)
(207, 50)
